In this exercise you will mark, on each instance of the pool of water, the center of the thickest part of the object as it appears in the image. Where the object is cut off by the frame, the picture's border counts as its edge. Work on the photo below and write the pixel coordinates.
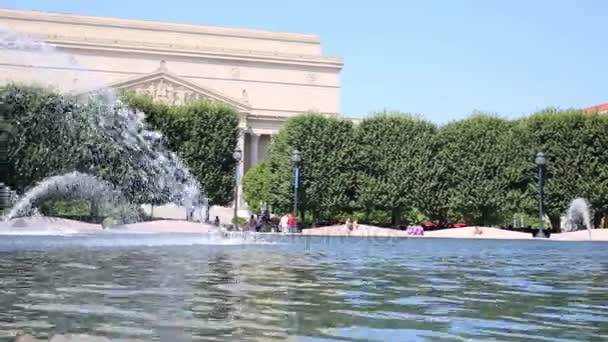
(191, 287)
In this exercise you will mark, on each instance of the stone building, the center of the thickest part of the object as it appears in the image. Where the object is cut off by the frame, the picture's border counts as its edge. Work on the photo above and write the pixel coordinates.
(268, 76)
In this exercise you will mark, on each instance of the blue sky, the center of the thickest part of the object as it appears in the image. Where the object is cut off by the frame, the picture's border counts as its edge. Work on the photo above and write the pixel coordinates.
(440, 59)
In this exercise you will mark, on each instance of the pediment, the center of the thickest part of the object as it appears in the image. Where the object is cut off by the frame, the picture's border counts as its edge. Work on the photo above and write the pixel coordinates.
(170, 89)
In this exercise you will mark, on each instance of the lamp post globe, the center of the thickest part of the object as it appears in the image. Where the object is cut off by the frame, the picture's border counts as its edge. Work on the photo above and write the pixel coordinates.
(541, 163)
(237, 155)
(540, 159)
(296, 156)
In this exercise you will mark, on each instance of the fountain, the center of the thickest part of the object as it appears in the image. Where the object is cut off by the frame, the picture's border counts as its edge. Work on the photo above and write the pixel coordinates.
(75, 185)
(158, 170)
(578, 215)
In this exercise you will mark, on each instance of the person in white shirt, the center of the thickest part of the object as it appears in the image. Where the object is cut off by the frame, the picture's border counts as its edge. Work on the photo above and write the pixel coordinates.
(283, 224)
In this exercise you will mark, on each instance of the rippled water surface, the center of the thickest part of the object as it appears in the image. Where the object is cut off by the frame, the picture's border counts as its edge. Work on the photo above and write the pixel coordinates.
(189, 288)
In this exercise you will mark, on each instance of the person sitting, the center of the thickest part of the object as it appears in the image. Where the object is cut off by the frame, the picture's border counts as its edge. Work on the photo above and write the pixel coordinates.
(415, 230)
(275, 224)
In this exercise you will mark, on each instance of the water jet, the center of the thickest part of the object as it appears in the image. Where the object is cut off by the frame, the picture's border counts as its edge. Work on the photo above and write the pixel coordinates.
(578, 215)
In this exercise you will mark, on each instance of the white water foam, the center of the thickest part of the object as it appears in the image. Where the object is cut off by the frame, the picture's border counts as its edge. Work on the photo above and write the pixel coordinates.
(578, 214)
(118, 238)
(75, 184)
(38, 232)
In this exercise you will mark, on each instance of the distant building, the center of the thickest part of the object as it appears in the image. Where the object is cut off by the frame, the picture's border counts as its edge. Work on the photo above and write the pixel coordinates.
(603, 108)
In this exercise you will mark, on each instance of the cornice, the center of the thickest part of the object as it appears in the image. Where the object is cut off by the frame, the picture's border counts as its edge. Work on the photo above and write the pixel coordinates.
(65, 18)
(171, 47)
(201, 52)
(187, 77)
(256, 111)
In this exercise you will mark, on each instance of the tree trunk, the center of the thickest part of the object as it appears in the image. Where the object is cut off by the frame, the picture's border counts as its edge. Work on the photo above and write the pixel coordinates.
(94, 210)
(315, 218)
(555, 220)
(441, 218)
(483, 219)
(396, 217)
(597, 219)
(302, 213)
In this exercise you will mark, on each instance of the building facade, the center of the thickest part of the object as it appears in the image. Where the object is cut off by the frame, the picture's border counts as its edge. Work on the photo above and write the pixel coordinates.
(602, 108)
(267, 76)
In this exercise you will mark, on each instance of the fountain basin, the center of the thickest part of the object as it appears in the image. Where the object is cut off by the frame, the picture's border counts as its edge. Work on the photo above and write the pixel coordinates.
(59, 226)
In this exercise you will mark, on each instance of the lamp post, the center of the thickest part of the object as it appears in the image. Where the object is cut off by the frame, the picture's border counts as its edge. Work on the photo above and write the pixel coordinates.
(296, 157)
(4, 197)
(205, 207)
(237, 154)
(541, 162)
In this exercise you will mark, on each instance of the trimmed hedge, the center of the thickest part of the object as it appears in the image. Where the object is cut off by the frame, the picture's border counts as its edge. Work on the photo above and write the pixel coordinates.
(479, 170)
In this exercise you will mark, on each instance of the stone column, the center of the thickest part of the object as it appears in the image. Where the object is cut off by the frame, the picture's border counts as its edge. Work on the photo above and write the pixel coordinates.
(241, 167)
(255, 148)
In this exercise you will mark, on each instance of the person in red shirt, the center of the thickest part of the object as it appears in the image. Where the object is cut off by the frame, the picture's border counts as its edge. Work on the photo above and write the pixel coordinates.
(291, 223)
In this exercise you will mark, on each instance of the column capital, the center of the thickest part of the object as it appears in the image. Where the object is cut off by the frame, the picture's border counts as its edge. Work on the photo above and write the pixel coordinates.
(254, 136)
(246, 130)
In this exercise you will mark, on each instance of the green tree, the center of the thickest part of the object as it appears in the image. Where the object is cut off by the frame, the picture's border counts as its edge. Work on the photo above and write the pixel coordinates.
(327, 172)
(42, 134)
(481, 162)
(576, 145)
(393, 155)
(256, 186)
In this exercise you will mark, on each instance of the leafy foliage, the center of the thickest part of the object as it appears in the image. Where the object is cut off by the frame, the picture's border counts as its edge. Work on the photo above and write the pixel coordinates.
(256, 186)
(393, 152)
(327, 170)
(479, 170)
(50, 134)
(576, 146)
(46, 134)
(72, 208)
(391, 166)
(39, 142)
(480, 160)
